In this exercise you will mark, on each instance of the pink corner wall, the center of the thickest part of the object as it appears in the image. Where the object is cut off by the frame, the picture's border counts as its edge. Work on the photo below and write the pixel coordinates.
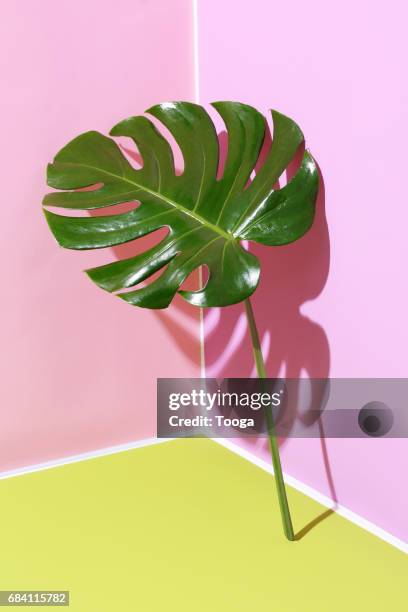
(78, 367)
(336, 302)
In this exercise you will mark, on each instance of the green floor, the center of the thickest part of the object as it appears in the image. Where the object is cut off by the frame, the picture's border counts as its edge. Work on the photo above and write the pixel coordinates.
(186, 526)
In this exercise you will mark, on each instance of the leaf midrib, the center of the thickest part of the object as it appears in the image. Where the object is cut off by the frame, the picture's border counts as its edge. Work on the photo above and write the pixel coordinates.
(180, 207)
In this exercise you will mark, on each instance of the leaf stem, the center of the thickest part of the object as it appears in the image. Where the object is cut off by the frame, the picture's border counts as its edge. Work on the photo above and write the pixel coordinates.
(273, 443)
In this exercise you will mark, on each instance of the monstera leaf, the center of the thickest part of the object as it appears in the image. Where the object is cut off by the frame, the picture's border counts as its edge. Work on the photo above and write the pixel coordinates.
(206, 217)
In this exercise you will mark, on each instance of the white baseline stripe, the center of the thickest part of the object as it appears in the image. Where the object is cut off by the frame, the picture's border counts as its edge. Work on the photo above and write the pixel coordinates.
(195, 53)
(317, 496)
(110, 450)
(231, 446)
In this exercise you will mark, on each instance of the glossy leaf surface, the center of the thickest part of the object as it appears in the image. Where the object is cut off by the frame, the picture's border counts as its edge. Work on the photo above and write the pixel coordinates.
(206, 218)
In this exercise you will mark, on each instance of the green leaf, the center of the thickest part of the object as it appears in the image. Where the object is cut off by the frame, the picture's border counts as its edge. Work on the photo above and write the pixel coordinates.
(206, 218)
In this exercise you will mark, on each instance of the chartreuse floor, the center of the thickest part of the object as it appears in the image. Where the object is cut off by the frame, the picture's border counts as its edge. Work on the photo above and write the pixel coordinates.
(186, 526)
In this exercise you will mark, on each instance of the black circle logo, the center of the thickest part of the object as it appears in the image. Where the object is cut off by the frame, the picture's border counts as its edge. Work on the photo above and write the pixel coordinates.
(375, 419)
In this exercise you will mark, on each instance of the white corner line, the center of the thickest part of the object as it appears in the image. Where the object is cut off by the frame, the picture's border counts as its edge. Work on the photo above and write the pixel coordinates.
(102, 452)
(195, 53)
(197, 101)
(201, 333)
(317, 496)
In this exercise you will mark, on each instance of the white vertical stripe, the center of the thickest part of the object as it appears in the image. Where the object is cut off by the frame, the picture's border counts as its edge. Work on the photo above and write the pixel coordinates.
(197, 100)
(195, 52)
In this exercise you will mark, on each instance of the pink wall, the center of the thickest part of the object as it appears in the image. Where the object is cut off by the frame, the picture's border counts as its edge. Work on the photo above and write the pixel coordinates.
(336, 302)
(78, 366)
